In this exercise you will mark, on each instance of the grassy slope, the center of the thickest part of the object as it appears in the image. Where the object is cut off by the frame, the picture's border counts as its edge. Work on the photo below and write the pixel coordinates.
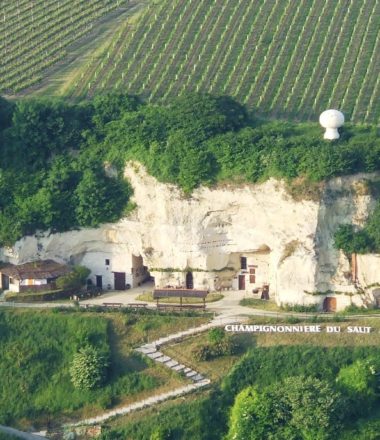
(218, 368)
(278, 57)
(284, 355)
(37, 348)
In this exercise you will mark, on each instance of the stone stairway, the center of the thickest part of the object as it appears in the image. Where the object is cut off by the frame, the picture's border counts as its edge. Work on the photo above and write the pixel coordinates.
(152, 350)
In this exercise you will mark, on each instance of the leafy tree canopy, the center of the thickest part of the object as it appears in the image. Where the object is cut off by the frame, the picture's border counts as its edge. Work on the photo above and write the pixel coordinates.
(298, 408)
(53, 155)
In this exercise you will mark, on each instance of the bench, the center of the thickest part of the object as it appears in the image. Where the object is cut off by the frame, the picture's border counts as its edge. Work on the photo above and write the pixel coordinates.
(137, 305)
(113, 305)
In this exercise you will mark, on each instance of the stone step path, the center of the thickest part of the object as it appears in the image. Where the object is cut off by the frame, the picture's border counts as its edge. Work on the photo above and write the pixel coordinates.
(144, 403)
(152, 350)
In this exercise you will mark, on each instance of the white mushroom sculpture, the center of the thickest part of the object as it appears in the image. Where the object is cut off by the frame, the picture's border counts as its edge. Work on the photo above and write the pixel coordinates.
(331, 120)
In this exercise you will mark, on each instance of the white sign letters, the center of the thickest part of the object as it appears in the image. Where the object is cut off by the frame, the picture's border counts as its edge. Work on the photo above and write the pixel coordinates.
(253, 328)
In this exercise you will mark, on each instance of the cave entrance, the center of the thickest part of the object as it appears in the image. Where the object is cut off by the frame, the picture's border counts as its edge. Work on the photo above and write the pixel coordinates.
(140, 273)
(252, 271)
(329, 304)
(376, 296)
(189, 280)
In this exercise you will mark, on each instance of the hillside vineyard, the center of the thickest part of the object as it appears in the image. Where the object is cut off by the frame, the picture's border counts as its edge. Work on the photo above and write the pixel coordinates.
(35, 34)
(282, 58)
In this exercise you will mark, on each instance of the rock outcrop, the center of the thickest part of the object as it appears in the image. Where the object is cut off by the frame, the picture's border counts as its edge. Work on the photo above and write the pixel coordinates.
(287, 244)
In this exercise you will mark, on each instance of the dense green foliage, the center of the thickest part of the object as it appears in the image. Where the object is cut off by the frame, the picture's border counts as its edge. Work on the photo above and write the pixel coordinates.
(307, 390)
(4, 436)
(37, 349)
(219, 344)
(54, 155)
(89, 368)
(288, 59)
(74, 279)
(48, 179)
(297, 408)
(363, 241)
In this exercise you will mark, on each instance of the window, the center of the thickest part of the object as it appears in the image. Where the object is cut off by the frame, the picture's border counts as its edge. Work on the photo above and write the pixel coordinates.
(243, 262)
(107, 262)
(252, 279)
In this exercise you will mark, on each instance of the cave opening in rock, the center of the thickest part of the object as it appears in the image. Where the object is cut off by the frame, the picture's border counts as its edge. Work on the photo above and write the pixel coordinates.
(251, 271)
(140, 273)
(189, 280)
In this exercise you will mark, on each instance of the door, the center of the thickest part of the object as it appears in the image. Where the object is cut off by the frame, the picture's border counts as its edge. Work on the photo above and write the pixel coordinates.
(265, 292)
(4, 282)
(119, 279)
(329, 304)
(189, 280)
(241, 282)
(99, 281)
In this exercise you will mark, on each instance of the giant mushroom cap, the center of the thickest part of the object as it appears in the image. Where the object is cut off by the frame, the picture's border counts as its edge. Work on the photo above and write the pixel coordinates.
(331, 119)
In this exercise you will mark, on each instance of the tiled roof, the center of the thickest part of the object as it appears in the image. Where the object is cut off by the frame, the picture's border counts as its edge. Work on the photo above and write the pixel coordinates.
(35, 270)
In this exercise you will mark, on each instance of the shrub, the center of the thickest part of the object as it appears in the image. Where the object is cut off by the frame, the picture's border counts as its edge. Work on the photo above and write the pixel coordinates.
(225, 347)
(88, 369)
(202, 353)
(216, 335)
(75, 279)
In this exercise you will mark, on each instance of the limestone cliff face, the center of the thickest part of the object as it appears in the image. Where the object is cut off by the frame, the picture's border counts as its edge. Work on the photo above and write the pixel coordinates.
(288, 243)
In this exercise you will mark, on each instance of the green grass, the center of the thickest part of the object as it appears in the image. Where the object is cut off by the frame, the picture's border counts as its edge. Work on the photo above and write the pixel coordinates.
(211, 297)
(217, 368)
(261, 304)
(264, 360)
(177, 419)
(37, 349)
(4, 436)
(283, 59)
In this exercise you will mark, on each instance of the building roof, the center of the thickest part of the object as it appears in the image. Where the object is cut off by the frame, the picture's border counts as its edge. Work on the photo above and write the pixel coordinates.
(185, 293)
(35, 270)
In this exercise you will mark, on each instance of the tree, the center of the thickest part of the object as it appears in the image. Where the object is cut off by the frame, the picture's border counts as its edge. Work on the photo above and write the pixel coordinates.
(40, 128)
(316, 408)
(259, 415)
(360, 382)
(74, 279)
(298, 408)
(88, 369)
(111, 106)
(100, 198)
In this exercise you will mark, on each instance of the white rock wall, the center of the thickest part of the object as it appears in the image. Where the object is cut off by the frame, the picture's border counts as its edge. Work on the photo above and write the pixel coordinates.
(203, 231)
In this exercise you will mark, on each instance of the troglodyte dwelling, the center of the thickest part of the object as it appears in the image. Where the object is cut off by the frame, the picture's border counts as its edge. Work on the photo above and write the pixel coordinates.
(252, 238)
(32, 276)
